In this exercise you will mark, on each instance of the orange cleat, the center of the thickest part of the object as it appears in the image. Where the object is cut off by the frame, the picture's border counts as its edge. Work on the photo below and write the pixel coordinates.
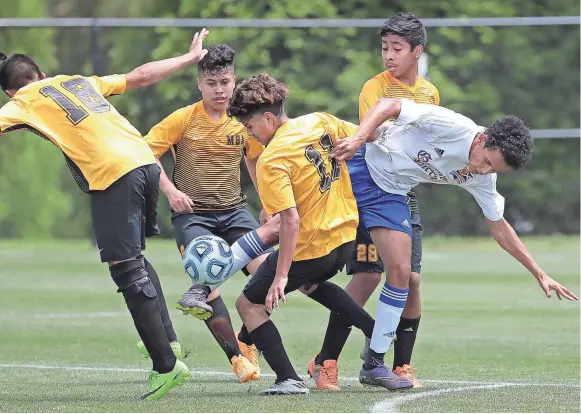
(325, 376)
(408, 372)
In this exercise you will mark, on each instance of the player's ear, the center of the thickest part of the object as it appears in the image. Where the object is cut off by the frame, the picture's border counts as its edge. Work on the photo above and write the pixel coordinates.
(42, 75)
(418, 51)
(198, 83)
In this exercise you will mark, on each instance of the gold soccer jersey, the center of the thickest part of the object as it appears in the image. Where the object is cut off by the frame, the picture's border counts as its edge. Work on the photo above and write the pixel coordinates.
(207, 156)
(99, 144)
(295, 171)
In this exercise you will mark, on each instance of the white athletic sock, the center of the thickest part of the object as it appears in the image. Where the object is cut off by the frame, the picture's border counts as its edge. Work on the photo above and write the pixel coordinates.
(389, 309)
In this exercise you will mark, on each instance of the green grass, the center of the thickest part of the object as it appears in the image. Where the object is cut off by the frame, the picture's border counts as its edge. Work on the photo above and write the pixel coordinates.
(485, 320)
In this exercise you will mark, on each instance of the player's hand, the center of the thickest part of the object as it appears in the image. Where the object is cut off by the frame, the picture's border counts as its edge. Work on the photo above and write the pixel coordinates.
(197, 52)
(345, 149)
(275, 293)
(263, 217)
(547, 284)
(180, 202)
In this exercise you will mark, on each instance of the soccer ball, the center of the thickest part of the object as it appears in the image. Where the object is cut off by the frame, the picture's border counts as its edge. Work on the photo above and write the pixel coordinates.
(208, 260)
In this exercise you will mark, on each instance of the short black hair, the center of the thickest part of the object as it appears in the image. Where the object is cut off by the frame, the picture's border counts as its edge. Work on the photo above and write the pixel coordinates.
(408, 26)
(511, 136)
(17, 70)
(220, 58)
(258, 94)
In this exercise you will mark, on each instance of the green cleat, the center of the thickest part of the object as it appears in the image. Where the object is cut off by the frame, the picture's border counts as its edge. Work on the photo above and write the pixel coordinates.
(160, 384)
(177, 349)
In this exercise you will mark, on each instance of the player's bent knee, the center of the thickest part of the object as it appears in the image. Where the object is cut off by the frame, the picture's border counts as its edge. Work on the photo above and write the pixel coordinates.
(131, 279)
(368, 279)
(242, 304)
(400, 271)
(414, 281)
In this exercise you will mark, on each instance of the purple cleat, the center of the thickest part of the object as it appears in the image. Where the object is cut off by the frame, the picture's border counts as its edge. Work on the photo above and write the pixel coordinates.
(381, 376)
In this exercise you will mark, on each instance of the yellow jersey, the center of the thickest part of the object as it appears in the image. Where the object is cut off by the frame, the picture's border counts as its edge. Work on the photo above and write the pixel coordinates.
(295, 171)
(99, 145)
(207, 155)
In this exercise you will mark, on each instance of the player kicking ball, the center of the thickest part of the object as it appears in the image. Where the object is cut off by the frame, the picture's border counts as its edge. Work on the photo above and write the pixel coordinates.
(205, 194)
(111, 162)
(428, 144)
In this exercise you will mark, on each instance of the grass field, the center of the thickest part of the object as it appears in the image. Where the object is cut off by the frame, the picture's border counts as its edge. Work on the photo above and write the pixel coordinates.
(489, 341)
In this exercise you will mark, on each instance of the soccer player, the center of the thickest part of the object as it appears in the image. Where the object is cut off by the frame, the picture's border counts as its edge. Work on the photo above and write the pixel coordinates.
(429, 144)
(204, 193)
(318, 218)
(403, 38)
(110, 161)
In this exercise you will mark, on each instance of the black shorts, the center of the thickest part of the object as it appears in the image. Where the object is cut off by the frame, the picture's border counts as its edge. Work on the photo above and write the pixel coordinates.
(365, 258)
(125, 213)
(302, 273)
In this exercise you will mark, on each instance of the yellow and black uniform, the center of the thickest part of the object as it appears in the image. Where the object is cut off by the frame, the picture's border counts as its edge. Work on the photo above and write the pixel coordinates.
(105, 153)
(99, 144)
(365, 258)
(207, 155)
(295, 171)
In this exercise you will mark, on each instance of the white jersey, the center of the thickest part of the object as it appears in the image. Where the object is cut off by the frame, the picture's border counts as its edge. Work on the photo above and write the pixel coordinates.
(431, 144)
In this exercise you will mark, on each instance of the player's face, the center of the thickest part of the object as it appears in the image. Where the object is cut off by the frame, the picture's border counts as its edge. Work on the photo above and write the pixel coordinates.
(262, 127)
(217, 88)
(398, 57)
(485, 161)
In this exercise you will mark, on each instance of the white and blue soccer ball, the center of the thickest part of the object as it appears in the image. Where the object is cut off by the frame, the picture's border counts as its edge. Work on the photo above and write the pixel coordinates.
(208, 260)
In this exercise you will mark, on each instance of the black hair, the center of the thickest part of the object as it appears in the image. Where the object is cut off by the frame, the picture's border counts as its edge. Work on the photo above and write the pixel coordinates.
(17, 70)
(408, 26)
(512, 137)
(219, 59)
(258, 94)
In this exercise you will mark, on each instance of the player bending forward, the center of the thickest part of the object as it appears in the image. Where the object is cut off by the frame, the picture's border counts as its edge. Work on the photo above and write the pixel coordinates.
(111, 162)
(429, 144)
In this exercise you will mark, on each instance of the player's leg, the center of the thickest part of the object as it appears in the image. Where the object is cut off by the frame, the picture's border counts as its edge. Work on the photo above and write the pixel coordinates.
(250, 306)
(366, 267)
(186, 228)
(410, 319)
(117, 214)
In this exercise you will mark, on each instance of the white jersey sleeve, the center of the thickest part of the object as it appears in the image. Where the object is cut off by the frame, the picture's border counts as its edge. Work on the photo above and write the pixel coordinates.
(483, 189)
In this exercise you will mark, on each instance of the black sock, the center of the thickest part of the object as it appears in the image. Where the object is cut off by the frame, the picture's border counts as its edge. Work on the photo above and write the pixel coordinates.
(166, 320)
(338, 301)
(373, 359)
(406, 338)
(268, 341)
(244, 336)
(335, 339)
(141, 298)
(221, 327)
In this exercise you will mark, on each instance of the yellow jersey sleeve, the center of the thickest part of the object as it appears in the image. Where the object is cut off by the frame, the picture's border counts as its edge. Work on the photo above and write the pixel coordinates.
(338, 128)
(110, 85)
(370, 94)
(10, 115)
(168, 132)
(274, 185)
(252, 148)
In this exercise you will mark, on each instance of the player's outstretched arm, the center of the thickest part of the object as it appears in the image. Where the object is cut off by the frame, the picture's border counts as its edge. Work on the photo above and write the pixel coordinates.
(507, 238)
(369, 129)
(154, 72)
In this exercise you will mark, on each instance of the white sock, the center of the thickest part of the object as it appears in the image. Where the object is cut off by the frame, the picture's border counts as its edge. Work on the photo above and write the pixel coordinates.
(244, 250)
(389, 309)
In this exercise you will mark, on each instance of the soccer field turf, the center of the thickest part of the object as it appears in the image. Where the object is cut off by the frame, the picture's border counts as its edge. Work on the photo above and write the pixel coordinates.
(489, 340)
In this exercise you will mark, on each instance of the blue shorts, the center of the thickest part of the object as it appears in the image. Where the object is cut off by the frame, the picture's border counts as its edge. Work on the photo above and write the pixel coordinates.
(377, 208)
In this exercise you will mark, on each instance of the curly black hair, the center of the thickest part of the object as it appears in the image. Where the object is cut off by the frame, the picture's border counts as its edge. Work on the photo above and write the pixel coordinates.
(219, 59)
(511, 136)
(258, 94)
(407, 26)
(17, 70)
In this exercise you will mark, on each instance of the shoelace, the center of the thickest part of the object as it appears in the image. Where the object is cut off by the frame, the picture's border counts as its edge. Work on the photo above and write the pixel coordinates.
(329, 374)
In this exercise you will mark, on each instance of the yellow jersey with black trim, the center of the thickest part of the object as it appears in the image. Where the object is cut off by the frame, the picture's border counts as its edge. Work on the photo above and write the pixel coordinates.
(384, 85)
(99, 145)
(207, 155)
(295, 171)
